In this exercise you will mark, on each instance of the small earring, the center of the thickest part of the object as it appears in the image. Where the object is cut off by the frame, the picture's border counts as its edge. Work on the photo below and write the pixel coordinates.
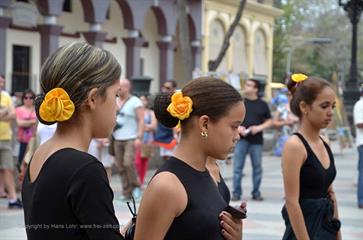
(305, 113)
(204, 134)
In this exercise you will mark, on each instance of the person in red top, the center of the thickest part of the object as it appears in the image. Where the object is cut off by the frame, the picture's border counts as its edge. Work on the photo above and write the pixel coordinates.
(26, 121)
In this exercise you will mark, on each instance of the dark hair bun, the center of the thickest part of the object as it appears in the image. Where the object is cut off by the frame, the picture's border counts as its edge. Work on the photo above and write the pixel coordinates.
(37, 102)
(291, 85)
(161, 103)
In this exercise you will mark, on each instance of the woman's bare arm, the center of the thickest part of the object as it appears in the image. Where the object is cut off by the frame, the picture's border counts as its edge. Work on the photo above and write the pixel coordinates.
(164, 199)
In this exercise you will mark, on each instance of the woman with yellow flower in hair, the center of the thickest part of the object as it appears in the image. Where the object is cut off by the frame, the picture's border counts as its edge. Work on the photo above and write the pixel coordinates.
(310, 210)
(182, 200)
(66, 193)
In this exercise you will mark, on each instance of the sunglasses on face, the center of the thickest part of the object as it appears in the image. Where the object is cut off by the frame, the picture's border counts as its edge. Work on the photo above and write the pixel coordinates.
(28, 97)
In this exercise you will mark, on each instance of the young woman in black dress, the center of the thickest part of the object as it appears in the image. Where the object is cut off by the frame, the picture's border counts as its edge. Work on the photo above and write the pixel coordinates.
(310, 210)
(182, 200)
(66, 193)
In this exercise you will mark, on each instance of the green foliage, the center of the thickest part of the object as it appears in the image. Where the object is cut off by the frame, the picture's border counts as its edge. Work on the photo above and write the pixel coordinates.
(306, 19)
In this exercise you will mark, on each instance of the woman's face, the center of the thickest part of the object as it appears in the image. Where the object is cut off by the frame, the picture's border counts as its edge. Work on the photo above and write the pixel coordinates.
(223, 134)
(320, 113)
(105, 114)
(28, 99)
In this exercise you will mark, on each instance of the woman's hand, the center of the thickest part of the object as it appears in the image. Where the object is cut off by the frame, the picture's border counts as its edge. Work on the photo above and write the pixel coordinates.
(23, 168)
(231, 226)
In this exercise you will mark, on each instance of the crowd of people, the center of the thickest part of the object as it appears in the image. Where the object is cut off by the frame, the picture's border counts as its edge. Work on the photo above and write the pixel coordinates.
(86, 119)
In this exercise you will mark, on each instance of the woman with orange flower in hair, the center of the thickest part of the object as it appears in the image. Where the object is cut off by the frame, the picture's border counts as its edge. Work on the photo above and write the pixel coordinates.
(182, 200)
(66, 193)
(310, 210)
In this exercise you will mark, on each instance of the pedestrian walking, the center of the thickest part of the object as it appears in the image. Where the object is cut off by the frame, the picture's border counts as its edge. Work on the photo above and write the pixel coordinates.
(358, 121)
(165, 137)
(284, 121)
(66, 192)
(146, 151)
(182, 200)
(7, 114)
(26, 121)
(128, 134)
(258, 118)
(311, 208)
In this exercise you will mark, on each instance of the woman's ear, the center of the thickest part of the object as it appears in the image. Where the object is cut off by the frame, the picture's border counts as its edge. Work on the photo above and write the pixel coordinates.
(92, 98)
(303, 107)
(203, 123)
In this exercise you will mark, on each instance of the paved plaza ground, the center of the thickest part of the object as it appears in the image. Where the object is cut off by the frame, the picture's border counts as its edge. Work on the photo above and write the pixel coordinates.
(264, 220)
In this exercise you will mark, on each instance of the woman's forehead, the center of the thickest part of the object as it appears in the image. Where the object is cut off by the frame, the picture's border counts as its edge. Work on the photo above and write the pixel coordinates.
(326, 94)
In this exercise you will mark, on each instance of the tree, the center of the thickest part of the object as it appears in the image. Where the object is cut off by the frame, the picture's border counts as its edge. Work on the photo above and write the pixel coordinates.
(303, 19)
(184, 38)
(213, 64)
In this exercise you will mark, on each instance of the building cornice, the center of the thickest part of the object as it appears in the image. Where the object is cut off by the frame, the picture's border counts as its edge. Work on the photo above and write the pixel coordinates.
(252, 7)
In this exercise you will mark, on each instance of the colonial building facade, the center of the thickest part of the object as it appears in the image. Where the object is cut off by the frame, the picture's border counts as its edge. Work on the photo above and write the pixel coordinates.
(142, 34)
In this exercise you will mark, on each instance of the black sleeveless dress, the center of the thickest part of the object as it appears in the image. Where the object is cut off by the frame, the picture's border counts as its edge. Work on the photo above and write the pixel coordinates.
(314, 202)
(200, 218)
(314, 178)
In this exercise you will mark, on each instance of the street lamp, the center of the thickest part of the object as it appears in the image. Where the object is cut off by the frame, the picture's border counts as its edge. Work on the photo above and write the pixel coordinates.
(299, 44)
(354, 10)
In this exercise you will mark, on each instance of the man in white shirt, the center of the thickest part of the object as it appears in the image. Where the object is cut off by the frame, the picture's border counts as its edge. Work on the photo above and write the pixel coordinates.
(128, 134)
(358, 121)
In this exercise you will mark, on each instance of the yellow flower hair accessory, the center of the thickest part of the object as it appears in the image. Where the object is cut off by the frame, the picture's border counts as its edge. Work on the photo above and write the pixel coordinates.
(56, 106)
(298, 77)
(180, 107)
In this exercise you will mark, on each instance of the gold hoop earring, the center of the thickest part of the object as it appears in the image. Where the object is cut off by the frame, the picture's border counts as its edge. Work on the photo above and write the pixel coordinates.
(204, 134)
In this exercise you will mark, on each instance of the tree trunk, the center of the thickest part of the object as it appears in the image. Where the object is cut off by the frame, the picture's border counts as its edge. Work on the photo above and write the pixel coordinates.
(184, 39)
(213, 64)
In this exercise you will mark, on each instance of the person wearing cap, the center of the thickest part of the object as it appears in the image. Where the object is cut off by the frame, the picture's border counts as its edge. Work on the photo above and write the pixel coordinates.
(358, 122)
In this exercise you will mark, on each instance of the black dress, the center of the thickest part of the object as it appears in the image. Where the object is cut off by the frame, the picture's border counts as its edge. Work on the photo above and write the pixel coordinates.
(200, 219)
(223, 189)
(314, 202)
(70, 199)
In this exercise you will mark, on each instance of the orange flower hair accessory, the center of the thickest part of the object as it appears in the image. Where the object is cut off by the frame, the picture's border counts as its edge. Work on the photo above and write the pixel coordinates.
(56, 106)
(180, 107)
(298, 77)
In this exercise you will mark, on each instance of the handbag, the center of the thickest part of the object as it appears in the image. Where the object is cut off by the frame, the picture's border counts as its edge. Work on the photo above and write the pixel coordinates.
(130, 232)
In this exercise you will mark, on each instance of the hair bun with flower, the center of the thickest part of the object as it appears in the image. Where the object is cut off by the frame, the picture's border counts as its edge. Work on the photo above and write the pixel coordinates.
(56, 106)
(180, 106)
(298, 77)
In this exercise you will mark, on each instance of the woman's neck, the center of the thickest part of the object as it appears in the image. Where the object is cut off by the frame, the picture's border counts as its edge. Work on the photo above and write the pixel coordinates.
(28, 107)
(309, 131)
(72, 135)
(213, 169)
(189, 151)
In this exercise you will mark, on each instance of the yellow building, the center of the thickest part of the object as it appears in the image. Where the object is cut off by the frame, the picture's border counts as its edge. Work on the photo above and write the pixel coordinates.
(142, 34)
(251, 46)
